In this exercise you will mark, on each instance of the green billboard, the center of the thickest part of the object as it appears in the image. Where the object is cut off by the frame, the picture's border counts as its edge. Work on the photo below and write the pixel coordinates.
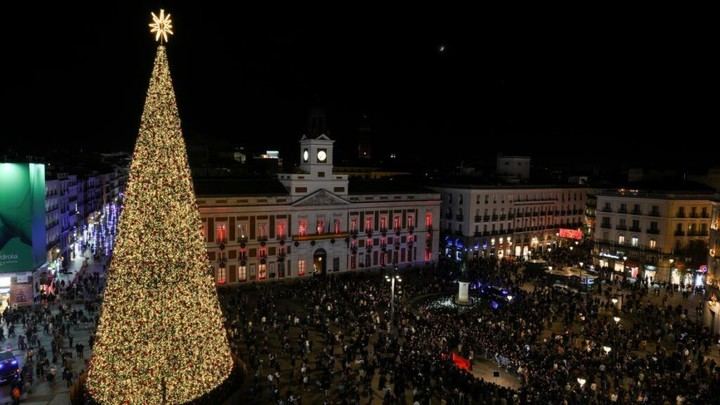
(22, 217)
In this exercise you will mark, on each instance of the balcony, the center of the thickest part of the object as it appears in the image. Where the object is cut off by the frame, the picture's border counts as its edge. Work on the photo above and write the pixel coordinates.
(605, 226)
(694, 215)
(623, 210)
(502, 217)
(654, 213)
(494, 217)
(653, 231)
(511, 216)
(636, 212)
(478, 218)
(606, 209)
(635, 229)
(486, 218)
(477, 234)
(458, 217)
(704, 215)
(679, 233)
(621, 228)
(680, 214)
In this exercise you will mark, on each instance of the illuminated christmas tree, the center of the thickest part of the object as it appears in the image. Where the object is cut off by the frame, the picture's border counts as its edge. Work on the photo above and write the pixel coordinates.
(161, 337)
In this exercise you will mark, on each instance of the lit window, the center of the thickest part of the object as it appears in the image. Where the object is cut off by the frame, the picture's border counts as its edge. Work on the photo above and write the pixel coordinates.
(320, 227)
(410, 221)
(396, 223)
(337, 226)
(353, 225)
(301, 267)
(281, 230)
(220, 233)
(383, 223)
(653, 243)
(242, 273)
(221, 275)
(621, 239)
(262, 271)
(634, 241)
(302, 227)
(428, 220)
(368, 224)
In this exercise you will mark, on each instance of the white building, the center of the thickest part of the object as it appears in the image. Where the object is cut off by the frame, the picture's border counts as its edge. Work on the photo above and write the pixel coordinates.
(313, 222)
(510, 220)
(653, 234)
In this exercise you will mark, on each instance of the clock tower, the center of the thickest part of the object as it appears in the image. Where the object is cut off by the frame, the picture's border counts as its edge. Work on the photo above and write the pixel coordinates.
(316, 170)
(316, 155)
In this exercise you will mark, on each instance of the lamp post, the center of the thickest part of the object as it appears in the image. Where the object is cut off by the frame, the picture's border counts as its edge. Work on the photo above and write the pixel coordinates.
(392, 279)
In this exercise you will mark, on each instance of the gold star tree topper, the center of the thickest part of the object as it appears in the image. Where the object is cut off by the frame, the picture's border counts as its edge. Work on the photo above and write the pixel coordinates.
(161, 26)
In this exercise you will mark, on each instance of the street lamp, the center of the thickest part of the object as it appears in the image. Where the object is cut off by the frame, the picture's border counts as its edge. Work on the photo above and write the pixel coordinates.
(392, 279)
(614, 301)
(607, 349)
(616, 319)
(581, 381)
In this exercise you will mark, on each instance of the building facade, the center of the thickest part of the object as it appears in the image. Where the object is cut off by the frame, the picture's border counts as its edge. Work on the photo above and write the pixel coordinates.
(509, 220)
(660, 237)
(714, 246)
(311, 223)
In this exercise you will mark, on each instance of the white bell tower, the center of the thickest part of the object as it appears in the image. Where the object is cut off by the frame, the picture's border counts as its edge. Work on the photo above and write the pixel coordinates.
(316, 156)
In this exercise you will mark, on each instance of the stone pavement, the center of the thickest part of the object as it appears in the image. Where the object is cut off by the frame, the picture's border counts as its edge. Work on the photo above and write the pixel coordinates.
(41, 391)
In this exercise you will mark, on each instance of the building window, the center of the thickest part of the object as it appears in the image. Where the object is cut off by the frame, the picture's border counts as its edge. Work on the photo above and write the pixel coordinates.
(411, 221)
(460, 198)
(262, 271)
(337, 226)
(396, 223)
(301, 268)
(262, 231)
(621, 239)
(302, 227)
(634, 241)
(220, 233)
(221, 275)
(353, 225)
(320, 226)
(353, 262)
(368, 224)
(653, 243)
(428, 220)
(242, 273)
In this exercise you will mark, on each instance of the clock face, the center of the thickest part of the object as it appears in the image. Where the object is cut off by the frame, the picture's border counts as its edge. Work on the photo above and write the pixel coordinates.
(321, 155)
(306, 155)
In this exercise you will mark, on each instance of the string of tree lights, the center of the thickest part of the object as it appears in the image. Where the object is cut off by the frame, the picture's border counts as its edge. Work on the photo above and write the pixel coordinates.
(160, 337)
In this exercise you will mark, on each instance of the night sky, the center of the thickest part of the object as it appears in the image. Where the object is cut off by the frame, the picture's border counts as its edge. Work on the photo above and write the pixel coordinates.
(606, 89)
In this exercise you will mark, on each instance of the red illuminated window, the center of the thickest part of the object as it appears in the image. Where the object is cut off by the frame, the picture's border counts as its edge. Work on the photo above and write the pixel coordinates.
(368, 224)
(428, 220)
(302, 227)
(428, 255)
(320, 227)
(396, 223)
(281, 230)
(220, 233)
(353, 225)
(383, 223)
(301, 267)
(337, 226)
(410, 221)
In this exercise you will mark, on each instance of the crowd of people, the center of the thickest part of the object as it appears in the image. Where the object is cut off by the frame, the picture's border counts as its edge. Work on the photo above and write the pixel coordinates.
(334, 340)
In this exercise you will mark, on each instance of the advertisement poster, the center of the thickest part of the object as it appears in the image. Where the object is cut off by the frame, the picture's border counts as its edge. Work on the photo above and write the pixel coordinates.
(22, 216)
(21, 294)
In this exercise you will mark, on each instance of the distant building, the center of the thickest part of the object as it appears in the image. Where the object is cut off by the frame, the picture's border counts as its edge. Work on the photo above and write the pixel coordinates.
(655, 235)
(513, 168)
(509, 220)
(314, 222)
